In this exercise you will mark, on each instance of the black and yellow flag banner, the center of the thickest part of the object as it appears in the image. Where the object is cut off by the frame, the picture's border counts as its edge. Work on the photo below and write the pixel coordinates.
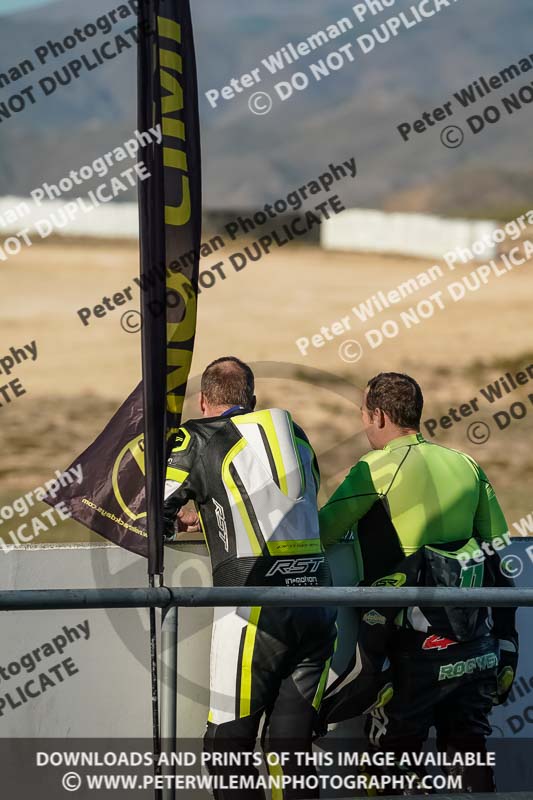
(121, 494)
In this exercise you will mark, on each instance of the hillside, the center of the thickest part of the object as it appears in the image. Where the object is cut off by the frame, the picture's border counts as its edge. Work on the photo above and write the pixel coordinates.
(353, 112)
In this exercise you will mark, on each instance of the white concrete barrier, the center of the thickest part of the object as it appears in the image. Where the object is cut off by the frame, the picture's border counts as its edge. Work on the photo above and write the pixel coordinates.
(361, 230)
(96, 663)
(103, 689)
(52, 217)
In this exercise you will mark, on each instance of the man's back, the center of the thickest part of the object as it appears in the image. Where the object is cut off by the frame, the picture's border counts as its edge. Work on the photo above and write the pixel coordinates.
(415, 508)
(254, 479)
(409, 494)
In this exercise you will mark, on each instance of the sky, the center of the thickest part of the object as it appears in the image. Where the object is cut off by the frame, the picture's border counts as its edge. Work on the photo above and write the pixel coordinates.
(11, 6)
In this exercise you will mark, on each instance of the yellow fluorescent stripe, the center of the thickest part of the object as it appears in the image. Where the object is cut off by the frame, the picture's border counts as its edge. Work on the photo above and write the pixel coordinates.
(265, 419)
(276, 772)
(169, 29)
(136, 450)
(178, 475)
(174, 100)
(174, 128)
(385, 696)
(296, 546)
(185, 443)
(176, 159)
(246, 665)
(171, 60)
(321, 685)
(239, 502)
(210, 716)
(180, 215)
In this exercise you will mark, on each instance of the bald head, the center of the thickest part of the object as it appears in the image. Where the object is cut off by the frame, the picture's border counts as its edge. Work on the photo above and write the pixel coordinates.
(226, 382)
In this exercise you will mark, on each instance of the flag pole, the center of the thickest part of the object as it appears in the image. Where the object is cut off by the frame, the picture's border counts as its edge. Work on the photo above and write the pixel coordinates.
(152, 252)
(121, 495)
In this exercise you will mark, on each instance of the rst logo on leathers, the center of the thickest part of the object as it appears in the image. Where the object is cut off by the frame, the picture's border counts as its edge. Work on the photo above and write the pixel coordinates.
(304, 568)
(295, 566)
(222, 526)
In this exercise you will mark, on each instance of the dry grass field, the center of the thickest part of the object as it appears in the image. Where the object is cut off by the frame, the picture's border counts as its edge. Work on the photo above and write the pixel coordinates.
(83, 373)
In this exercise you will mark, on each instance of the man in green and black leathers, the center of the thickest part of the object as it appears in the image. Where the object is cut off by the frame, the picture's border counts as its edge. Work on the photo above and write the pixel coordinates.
(419, 512)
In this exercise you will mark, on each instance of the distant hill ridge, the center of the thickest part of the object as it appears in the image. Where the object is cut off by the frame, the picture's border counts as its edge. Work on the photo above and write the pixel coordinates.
(250, 159)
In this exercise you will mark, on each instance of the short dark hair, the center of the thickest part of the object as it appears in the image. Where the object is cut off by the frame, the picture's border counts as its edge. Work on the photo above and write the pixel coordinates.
(399, 396)
(228, 381)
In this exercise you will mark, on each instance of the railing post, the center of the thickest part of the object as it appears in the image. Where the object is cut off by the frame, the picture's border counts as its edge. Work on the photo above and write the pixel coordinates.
(169, 691)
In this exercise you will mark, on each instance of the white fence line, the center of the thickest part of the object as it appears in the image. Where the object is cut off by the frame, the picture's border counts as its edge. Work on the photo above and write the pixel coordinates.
(362, 230)
(355, 230)
(106, 221)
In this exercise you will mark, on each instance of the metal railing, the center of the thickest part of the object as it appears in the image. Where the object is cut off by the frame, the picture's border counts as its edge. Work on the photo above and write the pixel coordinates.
(170, 599)
(166, 597)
